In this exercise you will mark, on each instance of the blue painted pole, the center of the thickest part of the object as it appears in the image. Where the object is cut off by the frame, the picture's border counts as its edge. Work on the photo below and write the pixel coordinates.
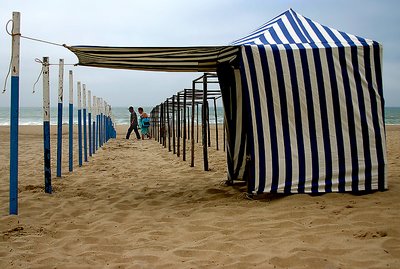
(94, 125)
(90, 121)
(60, 115)
(84, 125)
(79, 124)
(106, 121)
(97, 123)
(46, 125)
(14, 114)
(101, 124)
(71, 121)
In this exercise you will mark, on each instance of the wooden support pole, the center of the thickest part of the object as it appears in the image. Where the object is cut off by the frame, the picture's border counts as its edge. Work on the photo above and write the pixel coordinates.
(165, 125)
(169, 127)
(224, 133)
(71, 122)
(184, 126)
(60, 115)
(90, 121)
(46, 125)
(173, 125)
(197, 123)
(188, 123)
(79, 93)
(192, 136)
(85, 156)
(216, 122)
(94, 112)
(178, 127)
(161, 123)
(204, 123)
(14, 113)
(208, 123)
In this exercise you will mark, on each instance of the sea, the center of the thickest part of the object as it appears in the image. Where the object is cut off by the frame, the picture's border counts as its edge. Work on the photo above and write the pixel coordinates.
(34, 115)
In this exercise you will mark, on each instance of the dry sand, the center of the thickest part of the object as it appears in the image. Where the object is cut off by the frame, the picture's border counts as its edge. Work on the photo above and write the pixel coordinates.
(136, 205)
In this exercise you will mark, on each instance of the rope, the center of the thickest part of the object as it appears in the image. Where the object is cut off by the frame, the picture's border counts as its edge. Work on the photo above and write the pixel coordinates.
(36, 60)
(9, 67)
(8, 74)
(40, 74)
(43, 41)
(31, 38)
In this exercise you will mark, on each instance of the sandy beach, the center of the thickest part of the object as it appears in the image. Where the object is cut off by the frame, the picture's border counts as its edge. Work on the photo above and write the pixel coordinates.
(136, 205)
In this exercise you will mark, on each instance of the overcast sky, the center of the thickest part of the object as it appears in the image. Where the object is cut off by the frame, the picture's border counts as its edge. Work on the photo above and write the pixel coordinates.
(170, 23)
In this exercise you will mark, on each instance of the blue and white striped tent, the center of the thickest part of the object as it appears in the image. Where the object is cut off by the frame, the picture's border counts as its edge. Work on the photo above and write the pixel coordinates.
(303, 103)
(313, 104)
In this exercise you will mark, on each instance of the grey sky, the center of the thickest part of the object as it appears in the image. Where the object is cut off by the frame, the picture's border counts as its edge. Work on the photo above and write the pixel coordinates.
(170, 23)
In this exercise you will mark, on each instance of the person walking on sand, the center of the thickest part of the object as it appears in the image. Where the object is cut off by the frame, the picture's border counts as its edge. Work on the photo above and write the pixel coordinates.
(144, 123)
(134, 124)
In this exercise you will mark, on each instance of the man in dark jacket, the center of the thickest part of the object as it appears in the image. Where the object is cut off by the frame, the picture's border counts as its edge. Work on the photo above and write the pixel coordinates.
(134, 124)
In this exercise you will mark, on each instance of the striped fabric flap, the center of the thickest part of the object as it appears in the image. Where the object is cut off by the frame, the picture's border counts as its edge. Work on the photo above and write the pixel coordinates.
(172, 59)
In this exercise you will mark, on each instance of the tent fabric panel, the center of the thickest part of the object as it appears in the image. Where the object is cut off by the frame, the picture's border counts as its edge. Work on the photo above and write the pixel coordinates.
(230, 85)
(173, 59)
(316, 118)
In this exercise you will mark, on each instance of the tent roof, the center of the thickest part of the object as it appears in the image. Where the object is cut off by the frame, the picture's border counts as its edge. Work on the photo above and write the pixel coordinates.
(287, 28)
(293, 28)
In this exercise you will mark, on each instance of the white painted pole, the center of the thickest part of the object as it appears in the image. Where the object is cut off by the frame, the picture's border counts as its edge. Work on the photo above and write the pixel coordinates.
(79, 93)
(94, 125)
(105, 121)
(60, 115)
(46, 125)
(100, 122)
(90, 121)
(14, 114)
(85, 156)
(96, 101)
(71, 120)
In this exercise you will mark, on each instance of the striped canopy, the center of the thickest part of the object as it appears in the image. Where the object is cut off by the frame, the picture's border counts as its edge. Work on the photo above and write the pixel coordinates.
(173, 59)
(303, 103)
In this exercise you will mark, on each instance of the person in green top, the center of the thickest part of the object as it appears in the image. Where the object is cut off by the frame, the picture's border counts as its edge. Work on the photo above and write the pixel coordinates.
(134, 124)
(144, 122)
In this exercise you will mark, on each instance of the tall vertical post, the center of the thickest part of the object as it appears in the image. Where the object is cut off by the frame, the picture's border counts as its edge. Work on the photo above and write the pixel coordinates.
(192, 135)
(85, 156)
(94, 112)
(173, 124)
(14, 114)
(208, 123)
(216, 122)
(71, 121)
(162, 130)
(46, 125)
(105, 121)
(224, 132)
(165, 126)
(204, 123)
(90, 121)
(178, 127)
(168, 126)
(184, 126)
(97, 123)
(101, 122)
(197, 123)
(188, 123)
(60, 115)
(79, 93)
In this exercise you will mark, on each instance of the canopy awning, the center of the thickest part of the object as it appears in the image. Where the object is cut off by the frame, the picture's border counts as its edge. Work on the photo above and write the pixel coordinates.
(171, 59)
